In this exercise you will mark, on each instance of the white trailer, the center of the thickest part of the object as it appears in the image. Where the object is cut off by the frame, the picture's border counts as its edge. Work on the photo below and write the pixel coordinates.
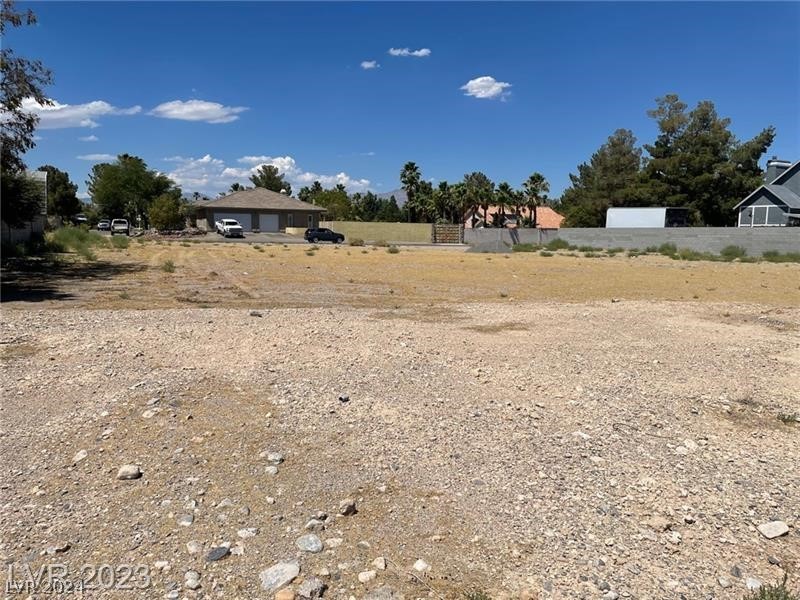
(652, 217)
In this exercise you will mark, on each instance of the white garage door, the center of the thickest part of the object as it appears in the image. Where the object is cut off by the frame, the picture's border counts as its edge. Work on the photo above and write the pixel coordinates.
(244, 219)
(268, 222)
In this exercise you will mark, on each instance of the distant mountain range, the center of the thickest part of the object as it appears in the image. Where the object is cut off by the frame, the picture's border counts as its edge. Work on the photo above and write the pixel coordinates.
(399, 195)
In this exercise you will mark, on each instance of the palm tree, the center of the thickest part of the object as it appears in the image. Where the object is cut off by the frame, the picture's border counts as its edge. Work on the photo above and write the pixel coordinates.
(479, 191)
(504, 197)
(410, 177)
(536, 188)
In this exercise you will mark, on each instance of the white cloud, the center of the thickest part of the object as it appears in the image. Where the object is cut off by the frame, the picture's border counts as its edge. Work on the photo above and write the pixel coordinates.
(369, 64)
(97, 157)
(486, 87)
(197, 110)
(421, 53)
(211, 175)
(89, 138)
(60, 116)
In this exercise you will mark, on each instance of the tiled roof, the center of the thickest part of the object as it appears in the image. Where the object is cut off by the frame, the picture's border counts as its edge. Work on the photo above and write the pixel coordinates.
(260, 199)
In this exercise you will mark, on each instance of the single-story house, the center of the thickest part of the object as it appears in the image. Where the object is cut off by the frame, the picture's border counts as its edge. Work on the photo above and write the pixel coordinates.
(546, 217)
(259, 209)
(777, 202)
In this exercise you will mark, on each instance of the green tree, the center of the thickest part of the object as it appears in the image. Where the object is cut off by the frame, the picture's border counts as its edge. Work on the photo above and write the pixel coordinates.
(410, 178)
(336, 202)
(21, 198)
(308, 194)
(236, 187)
(697, 162)
(504, 198)
(479, 192)
(167, 212)
(389, 211)
(268, 177)
(62, 198)
(126, 188)
(20, 79)
(612, 177)
(535, 188)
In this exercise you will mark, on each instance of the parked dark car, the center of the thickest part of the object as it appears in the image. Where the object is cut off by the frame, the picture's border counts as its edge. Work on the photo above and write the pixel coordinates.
(322, 235)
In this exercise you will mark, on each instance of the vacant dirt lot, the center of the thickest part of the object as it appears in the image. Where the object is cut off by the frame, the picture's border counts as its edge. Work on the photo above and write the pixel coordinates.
(505, 422)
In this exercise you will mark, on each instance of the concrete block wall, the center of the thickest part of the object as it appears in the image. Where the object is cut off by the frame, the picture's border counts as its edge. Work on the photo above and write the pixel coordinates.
(755, 240)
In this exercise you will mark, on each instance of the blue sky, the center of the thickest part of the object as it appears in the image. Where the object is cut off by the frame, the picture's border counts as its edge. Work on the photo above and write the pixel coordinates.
(207, 91)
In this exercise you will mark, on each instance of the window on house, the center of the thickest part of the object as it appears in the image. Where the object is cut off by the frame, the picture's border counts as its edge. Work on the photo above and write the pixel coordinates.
(310, 221)
(290, 220)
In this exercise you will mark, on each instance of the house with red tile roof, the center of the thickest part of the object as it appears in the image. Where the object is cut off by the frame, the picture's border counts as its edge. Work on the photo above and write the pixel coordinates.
(546, 217)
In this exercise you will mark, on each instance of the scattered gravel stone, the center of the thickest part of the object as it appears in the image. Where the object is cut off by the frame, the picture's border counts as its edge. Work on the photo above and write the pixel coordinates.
(274, 458)
(773, 529)
(367, 576)
(271, 470)
(79, 456)
(192, 580)
(129, 472)
(774, 560)
(383, 593)
(279, 575)
(724, 582)
(255, 313)
(311, 589)
(752, 583)
(334, 542)
(659, 523)
(247, 532)
(218, 553)
(421, 566)
(344, 398)
(610, 595)
(194, 547)
(309, 543)
(185, 520)
(58, 548)
(379, 563)
(347, 507)
(314, 525)
(285, 594)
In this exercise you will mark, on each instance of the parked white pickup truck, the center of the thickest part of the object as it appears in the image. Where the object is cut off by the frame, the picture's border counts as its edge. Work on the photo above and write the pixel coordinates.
(229, 228)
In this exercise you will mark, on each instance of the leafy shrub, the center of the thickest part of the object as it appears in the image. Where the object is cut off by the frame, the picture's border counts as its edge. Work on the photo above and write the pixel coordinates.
(773, 592)
(525, 247)
(613, 251)
(774, 256)
(651, 249)
(667, 249)
(545, 253)
(733, 252)
(310, 252)
(393, 249)
(356, 242)
(588, 249)
(557, 244)
(381, 243)
(692, 255)
(592, 255)
(165, 213)
(120, 242)
(168, 266)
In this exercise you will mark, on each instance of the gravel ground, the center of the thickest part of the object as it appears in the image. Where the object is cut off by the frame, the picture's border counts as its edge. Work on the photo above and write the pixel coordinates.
(595, 450)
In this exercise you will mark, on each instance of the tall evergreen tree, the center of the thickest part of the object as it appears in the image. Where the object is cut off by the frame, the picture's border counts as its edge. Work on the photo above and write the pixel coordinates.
(697, 162)
(610, 178)
(268, 177)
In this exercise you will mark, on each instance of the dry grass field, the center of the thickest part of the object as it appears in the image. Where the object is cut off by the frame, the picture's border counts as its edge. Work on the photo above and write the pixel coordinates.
(227, 275)
(527, 426)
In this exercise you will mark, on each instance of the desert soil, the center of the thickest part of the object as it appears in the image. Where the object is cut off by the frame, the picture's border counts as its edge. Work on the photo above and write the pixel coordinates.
(505, 421)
